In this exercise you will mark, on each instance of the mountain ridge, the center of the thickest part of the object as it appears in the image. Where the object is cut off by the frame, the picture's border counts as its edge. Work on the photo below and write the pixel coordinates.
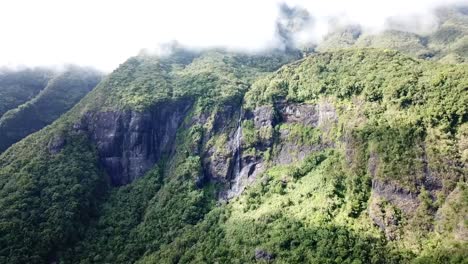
(62, 90)
(315, 158)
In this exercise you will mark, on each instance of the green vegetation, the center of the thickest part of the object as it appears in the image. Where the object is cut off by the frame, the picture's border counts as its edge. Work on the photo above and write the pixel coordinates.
(296, 220)
(18, 87)
(400, 133)
(61, 93)
(446, 43)
(52, 197)
(405, 99)
(45, 199)
(301, 134)
(214, 76)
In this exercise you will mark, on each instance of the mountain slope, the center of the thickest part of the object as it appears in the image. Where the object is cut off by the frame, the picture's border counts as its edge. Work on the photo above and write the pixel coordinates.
(51, 181)
(17, 87)
(347, 156)
(446, 43)
(61, 92)
(383, 179)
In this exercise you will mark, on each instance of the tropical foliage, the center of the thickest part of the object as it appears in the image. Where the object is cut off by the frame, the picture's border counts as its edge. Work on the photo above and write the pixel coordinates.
(401, 122)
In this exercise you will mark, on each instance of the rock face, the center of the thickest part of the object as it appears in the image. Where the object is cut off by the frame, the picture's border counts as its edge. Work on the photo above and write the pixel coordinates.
(56, 144)
(299, 113)
(263, 255)
(387, 204)
(221, 161)
(129, 143)
(218, 158)
(229, 164)
(390, 206)
(404, 199)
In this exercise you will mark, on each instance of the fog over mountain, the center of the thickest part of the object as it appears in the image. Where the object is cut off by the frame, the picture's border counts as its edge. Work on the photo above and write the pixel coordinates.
(292, 131)
(105, 33)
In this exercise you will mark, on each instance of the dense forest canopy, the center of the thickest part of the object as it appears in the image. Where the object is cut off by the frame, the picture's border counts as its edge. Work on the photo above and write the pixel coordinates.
(351, 151)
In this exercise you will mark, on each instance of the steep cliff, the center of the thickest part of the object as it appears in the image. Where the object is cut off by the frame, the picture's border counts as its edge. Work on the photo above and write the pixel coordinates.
(348, 156)
(129, 143)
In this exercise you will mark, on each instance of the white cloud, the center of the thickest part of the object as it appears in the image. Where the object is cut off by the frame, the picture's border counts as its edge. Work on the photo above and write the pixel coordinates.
(104, 33)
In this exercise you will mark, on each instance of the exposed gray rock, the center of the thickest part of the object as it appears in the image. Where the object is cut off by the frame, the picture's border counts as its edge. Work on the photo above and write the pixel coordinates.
(261, 254)
(218, 161)
(388, 204)
(431, 182)
(327, 116)
(304, 114)
(403, 199)
(290, 152)
(265, 119)
(129, 143)
(251, 164)
(263, 116)
(373, 163)
(222, 162)
(321, 116)
(56, 144)
(218, 165)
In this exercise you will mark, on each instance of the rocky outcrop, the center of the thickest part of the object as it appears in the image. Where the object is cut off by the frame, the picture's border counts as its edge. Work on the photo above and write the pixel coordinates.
(263, 255)
(218, 155)
(265, 119)
(56, 144)
(389, 203)
(304, 114)
(320, 116)
(220, 159)
(129, 143)
(404, 199)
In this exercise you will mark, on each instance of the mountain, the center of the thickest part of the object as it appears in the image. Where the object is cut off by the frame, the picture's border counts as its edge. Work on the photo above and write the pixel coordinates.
(352, 151)
(35, 98)
(348, 156)
(447, 42)
(19, 86)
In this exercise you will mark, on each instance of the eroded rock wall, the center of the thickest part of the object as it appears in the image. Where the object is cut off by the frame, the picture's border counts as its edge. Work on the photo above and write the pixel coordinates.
(129, 143)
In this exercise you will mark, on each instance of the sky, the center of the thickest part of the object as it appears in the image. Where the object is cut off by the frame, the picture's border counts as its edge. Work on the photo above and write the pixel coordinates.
(104, 33)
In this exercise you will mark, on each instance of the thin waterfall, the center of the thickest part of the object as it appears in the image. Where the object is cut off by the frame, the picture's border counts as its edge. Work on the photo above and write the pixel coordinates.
(237, 165)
